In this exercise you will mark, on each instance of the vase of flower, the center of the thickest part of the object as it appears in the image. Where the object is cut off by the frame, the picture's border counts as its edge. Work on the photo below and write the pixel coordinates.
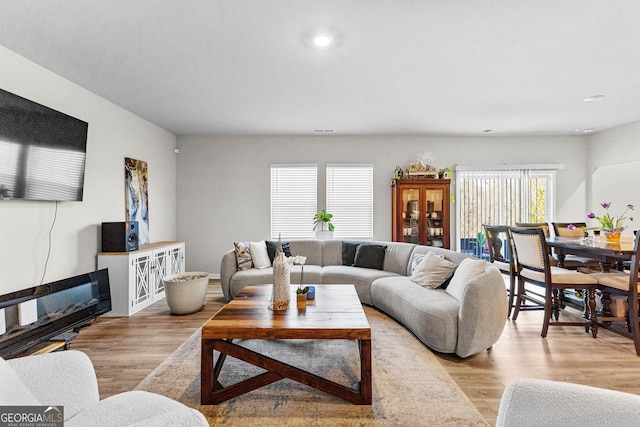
(613, 235)
(301, 301)
(611, 226)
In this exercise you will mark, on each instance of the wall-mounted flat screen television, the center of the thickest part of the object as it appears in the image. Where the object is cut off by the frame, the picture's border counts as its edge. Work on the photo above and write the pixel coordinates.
(42, 151)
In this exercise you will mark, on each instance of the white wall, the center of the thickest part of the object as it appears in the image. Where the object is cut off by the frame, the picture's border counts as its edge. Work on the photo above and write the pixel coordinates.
(614, 172)
(113, 135)
(224, 182)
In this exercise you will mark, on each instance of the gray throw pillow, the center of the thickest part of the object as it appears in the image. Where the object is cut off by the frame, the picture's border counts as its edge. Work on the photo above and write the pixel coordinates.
(370, 256)
(273, 245)
(349, 252)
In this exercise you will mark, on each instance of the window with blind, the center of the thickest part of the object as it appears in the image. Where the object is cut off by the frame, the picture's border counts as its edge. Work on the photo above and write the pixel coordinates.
(294, 200)
(350, 200)
(54, 173)
(501, 196)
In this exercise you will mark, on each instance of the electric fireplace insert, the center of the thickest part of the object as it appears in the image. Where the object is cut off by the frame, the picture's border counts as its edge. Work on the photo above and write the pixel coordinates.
(31, 316)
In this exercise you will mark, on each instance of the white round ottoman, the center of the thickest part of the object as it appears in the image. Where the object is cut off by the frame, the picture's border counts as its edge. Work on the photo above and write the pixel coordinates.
(186, 292)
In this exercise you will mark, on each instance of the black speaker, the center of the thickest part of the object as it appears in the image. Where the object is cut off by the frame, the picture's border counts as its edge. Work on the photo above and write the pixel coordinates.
(120, 236)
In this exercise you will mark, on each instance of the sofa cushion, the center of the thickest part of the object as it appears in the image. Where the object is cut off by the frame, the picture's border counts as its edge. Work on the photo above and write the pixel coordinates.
(312, 249)
(273, 245)
(243, 255)
(252, 276)
(13, 391)
(467, 270)
(361, 278)
(312, 274)
(349, 252)
(331, 252)
(433, 271)
(259, 254)
(370, 256)
(431, 314)
(397, 255)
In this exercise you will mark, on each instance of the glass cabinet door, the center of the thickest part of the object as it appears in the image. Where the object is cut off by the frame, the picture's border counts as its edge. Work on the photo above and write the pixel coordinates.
(411, 215)
(421, 211)
(434, 215)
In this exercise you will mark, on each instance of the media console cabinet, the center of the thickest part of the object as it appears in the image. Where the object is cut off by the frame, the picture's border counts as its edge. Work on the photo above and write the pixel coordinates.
(136, 276)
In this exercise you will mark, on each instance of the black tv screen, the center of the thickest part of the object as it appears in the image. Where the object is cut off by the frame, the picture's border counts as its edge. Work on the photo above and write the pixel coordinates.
(42, 151)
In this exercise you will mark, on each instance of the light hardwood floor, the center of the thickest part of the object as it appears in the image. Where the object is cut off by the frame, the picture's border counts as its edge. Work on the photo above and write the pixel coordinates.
(125, 350)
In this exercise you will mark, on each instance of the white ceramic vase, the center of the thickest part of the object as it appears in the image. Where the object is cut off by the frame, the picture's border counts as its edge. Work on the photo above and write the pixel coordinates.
(324, 234)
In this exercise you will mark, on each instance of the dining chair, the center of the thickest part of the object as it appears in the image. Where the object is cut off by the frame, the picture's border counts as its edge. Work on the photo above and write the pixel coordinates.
(569, 261)
(561, 229)
(626, 284)
(500, 256)
(532, 265)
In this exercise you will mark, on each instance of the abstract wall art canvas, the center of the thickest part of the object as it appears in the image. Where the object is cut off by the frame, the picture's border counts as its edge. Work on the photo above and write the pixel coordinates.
(137, 204)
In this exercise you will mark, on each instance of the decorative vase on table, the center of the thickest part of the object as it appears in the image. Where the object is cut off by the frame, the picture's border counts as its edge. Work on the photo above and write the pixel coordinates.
(281, 280)
(301, 301)
(613, 235)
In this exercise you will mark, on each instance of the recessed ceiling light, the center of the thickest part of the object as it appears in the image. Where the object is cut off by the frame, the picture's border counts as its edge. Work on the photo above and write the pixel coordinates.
(589, 130)
(322, 40)
(594, 98)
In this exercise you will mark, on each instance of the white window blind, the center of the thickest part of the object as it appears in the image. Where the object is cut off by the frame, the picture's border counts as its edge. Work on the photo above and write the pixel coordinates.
(294, 198)
(9, 155)
(501, 197)
(54, 173)
(350, 200)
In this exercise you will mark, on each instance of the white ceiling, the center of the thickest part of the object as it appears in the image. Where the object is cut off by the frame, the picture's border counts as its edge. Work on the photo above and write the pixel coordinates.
(518, 67)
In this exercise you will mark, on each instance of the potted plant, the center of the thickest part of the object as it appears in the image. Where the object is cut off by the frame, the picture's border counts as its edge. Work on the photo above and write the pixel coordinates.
(301, 297)
(322, 225)
(444, 173)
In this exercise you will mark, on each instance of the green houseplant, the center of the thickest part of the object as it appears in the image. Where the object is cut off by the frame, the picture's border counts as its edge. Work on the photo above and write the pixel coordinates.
(322, 225)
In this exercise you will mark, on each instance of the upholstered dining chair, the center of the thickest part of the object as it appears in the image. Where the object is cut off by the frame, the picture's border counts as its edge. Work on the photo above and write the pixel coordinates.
(561, 229)
(500, 256)
(569, 261)
(532, 265)
(626, 284)
(532, 296)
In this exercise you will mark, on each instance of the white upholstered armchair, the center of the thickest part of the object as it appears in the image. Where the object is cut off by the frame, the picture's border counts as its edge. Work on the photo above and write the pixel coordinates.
(68, 379)
(538, 403)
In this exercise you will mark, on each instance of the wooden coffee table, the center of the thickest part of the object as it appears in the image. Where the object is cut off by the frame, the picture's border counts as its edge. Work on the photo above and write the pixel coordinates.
(336, 313)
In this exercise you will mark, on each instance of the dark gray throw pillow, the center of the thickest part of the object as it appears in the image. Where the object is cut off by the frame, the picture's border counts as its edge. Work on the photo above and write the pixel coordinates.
(370, 256)
(272, 246)
(349, 252)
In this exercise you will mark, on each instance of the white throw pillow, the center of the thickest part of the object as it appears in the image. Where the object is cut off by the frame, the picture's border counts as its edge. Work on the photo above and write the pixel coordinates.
(432, 271)
(417, 259)
(467, 270)
(259, 254)
(13, 391)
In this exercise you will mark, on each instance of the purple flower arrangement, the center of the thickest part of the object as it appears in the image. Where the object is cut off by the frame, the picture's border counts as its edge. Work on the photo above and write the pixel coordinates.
(607, 221)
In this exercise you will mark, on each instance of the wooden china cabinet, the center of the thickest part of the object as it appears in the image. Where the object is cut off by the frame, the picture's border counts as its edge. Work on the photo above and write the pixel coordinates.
(421, 211)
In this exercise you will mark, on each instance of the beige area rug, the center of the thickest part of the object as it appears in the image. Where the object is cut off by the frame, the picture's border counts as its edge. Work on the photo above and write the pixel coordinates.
(410, 387)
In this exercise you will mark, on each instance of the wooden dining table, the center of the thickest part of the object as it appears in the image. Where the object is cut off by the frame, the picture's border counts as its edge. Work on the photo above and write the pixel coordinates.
(608, 254)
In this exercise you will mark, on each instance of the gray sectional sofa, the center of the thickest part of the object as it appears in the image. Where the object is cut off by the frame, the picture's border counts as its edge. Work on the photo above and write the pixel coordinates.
(465, 325)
